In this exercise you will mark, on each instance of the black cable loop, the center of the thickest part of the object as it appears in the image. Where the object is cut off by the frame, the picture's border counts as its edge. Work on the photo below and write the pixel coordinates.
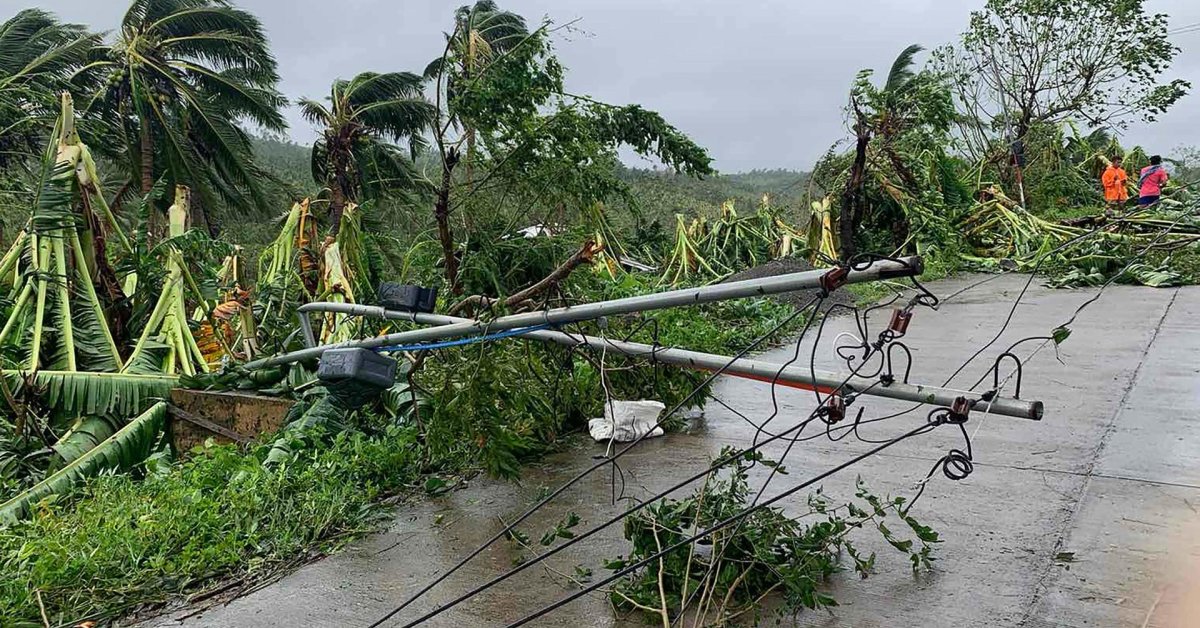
(891, 373)
(957, 464)
(865, 325)
(996, 373)
(924, 297)
(849, 352)
(829, 261)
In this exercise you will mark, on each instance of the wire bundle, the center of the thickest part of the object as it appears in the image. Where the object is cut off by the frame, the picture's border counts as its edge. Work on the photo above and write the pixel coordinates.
(865, 357)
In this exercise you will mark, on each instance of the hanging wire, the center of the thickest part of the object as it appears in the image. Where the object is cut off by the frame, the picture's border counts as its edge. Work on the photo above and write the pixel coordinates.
(955, 465)
(821, 411)
(923, 297)
(721, 525)
(714, 467)
(578, 477)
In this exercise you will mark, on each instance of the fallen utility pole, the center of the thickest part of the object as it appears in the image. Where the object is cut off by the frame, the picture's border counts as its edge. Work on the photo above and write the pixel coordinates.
(814, 279)
(792, 376)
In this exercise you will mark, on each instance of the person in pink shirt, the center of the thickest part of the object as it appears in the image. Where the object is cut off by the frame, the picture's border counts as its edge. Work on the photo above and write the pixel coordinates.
(1151, 182)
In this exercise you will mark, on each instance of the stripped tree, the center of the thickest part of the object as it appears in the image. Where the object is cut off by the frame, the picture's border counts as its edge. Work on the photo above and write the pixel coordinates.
(168, 326)
(66, 356)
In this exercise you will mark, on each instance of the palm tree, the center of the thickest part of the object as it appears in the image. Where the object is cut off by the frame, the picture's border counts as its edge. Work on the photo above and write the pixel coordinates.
(356, 157)
(482, 32)
(883, 115)
(37, 54)
(901, 106)
(177, 80)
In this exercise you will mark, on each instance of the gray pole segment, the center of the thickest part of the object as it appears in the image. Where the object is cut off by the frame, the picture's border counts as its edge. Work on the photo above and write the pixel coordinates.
(883, 269)
(795, 376)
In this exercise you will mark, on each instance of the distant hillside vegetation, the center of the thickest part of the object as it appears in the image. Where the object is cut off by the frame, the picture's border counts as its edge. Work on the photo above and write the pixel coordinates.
(659, 193)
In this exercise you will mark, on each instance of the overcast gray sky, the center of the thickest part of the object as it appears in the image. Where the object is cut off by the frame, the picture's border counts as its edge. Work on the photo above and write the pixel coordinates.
(761, 84)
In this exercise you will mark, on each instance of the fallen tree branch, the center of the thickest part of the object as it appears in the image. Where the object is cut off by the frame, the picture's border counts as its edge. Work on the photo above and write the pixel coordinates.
(585, 254)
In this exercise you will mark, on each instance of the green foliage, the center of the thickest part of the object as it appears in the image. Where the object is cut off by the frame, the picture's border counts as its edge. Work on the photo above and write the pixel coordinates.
(124, 394)
(500, 262)
(177, 81)
(569, 156)
(123, 450)
(686, 261)
(127, 543)
(307, 423)
(516, 149)
(768, 552)
(37, 54)
(1099, 263)
(1027, 62)
(354, 157)
(84, 435)
(505, 402)
(530, 152)
(898, 194)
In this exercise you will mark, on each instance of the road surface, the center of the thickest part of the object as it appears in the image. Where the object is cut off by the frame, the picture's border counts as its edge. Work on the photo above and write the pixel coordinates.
(1088, 518)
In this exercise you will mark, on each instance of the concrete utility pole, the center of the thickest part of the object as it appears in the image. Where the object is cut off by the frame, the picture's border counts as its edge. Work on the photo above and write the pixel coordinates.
(905, 267)
(792, 376)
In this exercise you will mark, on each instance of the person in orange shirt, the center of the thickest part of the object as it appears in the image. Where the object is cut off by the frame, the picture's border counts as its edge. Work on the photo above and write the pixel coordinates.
(1116, 184)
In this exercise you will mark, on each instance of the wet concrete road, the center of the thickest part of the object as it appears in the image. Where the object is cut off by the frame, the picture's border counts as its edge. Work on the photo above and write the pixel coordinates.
(1088, 518)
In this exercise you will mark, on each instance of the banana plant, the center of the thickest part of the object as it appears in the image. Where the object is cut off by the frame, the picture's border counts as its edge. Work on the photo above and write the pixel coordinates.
(123, 450)
(822, 245)
(686, 262)
(998, 227)
(230, 324)
(336, 272)
(168, 324)
(603, 261)
(342, 269)
(610, 251)
(784, 239)
(289, 259)
(75, 394)
(57, 317)
(734, 240)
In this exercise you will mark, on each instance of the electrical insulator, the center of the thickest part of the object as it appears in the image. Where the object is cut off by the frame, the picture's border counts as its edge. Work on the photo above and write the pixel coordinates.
(835, 409)
(834, 279)
(960, 409)
(900, 320)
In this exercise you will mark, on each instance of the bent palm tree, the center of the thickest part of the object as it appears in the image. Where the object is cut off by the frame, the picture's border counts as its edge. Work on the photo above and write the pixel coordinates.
(356, 157)
(177, 79)
(882, 118)
(482, 32)
(37, 53)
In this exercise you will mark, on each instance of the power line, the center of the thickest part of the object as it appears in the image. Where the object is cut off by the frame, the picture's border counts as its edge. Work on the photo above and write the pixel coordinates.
(725, 523)
(1185, 28)
(957, 464)
(509, 527)
(923, 296)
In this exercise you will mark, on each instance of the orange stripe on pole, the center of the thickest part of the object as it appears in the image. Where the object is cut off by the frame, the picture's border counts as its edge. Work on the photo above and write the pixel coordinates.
(782, 382)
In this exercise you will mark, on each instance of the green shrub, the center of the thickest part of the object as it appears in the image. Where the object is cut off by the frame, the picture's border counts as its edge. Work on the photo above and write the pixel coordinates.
(127, 542)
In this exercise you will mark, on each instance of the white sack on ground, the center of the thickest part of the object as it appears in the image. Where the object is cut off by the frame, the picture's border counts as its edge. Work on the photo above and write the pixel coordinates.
(626, 421)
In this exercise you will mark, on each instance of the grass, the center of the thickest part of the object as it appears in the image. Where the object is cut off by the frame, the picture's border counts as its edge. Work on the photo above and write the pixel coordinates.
(125, 543)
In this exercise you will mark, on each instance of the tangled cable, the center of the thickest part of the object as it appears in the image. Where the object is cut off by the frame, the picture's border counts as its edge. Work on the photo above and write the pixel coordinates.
(831, 410)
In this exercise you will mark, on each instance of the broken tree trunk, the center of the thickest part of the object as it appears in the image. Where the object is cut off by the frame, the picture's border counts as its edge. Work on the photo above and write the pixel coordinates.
(168, 322)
